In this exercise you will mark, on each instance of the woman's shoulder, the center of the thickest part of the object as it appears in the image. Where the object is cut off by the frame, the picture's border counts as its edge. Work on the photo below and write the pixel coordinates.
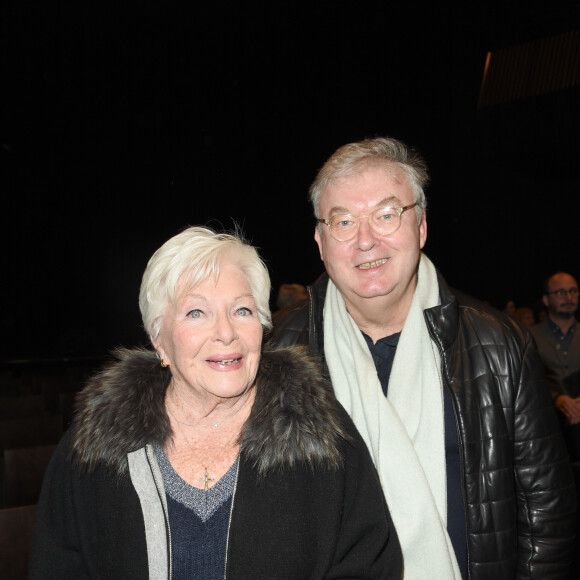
(121, 409)
(296, 417)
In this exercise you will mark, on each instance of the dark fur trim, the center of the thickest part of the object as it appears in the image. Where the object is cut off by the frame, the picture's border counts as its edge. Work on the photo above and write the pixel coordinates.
(295, 417)
(120, 410)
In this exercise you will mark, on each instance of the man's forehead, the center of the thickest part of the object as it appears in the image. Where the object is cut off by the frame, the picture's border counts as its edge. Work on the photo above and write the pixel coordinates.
(389, 171)
(562, 280)
(375, 186)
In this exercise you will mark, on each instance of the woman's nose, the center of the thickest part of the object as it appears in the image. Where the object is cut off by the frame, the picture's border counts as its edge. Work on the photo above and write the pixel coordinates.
(224, 330)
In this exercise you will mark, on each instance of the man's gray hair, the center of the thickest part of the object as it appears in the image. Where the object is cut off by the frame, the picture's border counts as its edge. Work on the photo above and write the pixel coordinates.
(384, 152)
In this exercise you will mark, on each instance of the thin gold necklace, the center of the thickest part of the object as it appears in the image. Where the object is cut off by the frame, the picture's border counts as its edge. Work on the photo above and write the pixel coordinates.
(215, 425)
(206, 478)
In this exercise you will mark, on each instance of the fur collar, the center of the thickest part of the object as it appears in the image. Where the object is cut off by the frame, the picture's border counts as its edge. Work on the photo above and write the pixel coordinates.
(295, 417)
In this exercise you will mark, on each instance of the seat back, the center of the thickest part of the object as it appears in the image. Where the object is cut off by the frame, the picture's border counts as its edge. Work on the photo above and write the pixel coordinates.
(30, 431)
(24, 470)
(21, 406)
(16, 530)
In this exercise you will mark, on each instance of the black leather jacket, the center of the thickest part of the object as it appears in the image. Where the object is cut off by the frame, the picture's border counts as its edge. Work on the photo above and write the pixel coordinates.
(518, 488)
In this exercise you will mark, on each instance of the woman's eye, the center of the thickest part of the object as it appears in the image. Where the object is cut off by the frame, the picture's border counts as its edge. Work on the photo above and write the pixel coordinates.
(244, 311)
(195, 313)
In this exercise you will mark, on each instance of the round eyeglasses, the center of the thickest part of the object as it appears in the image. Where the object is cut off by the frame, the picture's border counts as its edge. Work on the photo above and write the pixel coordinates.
(383, 221)
(562, 292)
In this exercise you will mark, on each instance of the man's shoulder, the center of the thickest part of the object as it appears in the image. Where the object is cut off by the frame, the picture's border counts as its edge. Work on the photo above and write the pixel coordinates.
(465, 300)
(541, 329)
(289, 316)
(468, 304)
(292, 324)
(484, 319)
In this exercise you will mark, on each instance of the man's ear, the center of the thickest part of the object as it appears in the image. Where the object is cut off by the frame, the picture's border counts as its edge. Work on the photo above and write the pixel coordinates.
(423, 230)
(318, 239)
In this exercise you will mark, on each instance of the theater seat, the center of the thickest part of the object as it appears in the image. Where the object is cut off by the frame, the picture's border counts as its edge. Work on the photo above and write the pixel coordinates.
(23, 473)
(16, 530)
(30, 431)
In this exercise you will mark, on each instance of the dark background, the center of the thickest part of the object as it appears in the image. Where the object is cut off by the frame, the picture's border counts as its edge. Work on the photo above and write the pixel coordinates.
(124, 122)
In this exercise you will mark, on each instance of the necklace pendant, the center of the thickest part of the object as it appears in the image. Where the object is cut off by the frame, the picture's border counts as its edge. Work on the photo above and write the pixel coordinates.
(206, 479)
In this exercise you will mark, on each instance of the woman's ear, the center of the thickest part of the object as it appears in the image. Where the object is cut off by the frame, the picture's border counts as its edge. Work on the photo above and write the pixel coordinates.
(157, 346)
(160, 352)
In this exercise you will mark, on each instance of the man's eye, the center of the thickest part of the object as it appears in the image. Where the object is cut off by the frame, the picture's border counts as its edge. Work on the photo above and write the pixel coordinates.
(195, 313)
(386, 215)
(343, 222)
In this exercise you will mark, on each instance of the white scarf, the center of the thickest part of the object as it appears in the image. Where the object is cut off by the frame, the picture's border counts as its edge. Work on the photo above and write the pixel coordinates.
(404, 432)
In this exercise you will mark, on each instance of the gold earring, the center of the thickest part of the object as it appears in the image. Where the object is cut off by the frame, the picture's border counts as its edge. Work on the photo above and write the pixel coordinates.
(164, 364)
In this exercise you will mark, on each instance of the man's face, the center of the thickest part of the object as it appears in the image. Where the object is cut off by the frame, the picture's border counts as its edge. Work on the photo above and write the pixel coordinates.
(372, 265)
(565, 305)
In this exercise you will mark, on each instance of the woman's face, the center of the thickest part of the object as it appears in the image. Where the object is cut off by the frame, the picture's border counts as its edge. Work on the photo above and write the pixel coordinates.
(212, 337)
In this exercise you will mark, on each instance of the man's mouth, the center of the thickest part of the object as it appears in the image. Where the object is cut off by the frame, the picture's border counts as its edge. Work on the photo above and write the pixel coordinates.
(226, 361)
(374, 264)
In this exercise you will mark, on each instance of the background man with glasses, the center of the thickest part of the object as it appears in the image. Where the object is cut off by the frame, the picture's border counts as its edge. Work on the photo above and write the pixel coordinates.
(558, 341)
(448, 394)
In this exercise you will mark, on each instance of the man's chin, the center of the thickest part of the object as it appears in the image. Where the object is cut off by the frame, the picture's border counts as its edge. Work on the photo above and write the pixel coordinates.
(566, 315)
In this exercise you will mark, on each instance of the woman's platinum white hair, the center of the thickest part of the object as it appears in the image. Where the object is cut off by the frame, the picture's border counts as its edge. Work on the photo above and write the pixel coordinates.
(191, 257)
(385, 152)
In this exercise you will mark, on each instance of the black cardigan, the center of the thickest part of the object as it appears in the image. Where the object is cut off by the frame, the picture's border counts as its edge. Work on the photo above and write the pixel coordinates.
(309, 506)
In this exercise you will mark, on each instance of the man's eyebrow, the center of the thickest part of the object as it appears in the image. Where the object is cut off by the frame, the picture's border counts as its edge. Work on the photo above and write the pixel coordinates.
(391, 201)
(338, 209)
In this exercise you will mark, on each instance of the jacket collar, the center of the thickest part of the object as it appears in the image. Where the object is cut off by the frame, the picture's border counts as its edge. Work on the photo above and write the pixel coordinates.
(442, 320)
(295, 417)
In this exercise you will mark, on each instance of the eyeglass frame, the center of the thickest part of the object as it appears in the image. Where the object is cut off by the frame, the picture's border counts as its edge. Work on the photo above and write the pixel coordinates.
(563, 292)
(400, 211)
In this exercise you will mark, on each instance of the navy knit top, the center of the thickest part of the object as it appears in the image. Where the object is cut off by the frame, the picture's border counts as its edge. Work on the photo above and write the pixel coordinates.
(199, 522)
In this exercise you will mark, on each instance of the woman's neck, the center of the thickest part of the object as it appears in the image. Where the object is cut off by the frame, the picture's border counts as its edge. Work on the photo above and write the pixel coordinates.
(203, 447)
(210, 412)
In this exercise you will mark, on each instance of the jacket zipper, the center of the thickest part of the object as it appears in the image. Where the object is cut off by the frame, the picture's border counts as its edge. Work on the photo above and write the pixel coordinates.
(459, 435)
(312, 346)
(461, 470)
(230, 519)
(159, 488)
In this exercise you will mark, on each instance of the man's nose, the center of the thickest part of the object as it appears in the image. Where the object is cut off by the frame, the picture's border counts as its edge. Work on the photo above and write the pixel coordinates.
(366, 236)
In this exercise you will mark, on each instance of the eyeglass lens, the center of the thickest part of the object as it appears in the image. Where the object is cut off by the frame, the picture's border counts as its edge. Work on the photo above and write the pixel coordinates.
(384, 221)
(562, 292)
